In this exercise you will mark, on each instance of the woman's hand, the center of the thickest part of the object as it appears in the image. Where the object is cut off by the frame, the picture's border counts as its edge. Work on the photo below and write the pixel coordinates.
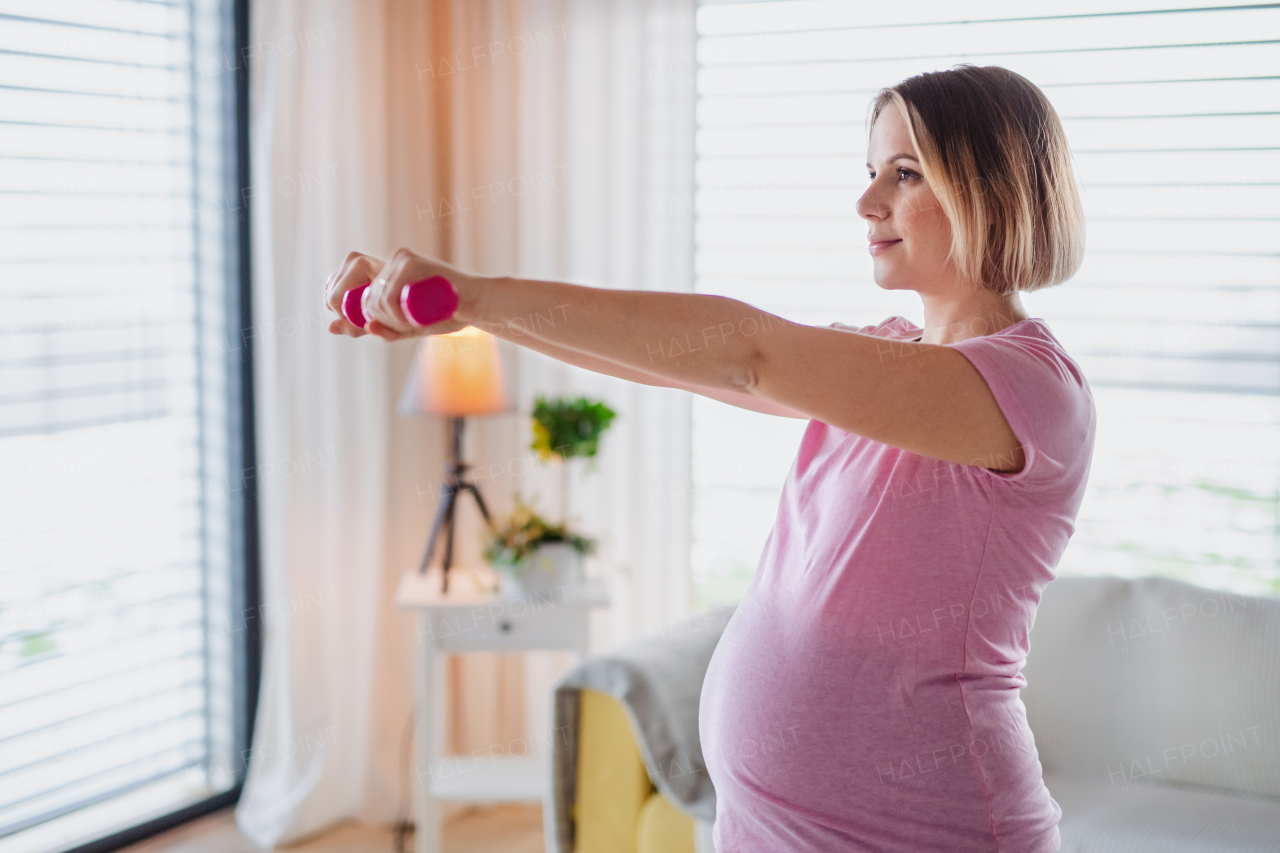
(381, 302)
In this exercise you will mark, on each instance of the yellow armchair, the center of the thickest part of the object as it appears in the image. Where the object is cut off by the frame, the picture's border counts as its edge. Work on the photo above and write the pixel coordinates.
(617, 808)
(623, 718)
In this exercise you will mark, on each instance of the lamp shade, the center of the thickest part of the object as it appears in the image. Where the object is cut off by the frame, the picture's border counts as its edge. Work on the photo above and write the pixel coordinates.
(456, 375)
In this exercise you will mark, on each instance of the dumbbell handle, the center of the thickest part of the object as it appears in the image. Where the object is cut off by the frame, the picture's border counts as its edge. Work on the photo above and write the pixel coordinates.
(424, 302)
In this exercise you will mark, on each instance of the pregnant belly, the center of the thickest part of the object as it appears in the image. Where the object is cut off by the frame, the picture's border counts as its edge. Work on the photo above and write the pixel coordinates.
(793, 717)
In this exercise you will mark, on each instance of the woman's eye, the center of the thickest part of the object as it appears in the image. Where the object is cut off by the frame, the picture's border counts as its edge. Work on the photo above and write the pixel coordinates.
(903, 174)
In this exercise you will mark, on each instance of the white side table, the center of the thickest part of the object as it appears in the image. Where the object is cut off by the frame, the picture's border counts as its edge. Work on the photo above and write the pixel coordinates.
(467, 620)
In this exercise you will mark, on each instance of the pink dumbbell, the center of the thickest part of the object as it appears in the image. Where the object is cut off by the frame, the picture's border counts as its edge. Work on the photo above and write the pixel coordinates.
(424, 302)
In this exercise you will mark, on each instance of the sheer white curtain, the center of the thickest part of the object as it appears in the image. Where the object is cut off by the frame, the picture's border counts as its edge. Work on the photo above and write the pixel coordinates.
(625, 138)
(318, 190)
(566, 129)
(586, 139)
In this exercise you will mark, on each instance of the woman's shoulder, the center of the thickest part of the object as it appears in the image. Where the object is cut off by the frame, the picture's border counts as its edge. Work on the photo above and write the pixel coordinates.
(1033, 338)
(896, 327)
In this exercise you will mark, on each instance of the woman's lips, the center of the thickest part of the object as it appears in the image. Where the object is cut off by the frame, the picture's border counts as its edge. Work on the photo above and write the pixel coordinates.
(879, 246)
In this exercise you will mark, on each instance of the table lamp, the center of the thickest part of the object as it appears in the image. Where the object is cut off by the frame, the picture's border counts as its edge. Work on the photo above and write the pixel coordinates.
(455, 376)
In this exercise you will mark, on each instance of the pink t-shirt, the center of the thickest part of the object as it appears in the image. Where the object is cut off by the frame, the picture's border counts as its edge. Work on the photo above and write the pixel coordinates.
(864, 695)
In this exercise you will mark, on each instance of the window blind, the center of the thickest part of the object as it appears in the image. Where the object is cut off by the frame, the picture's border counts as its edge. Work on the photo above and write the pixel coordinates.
(116, 633)
(1174, 316)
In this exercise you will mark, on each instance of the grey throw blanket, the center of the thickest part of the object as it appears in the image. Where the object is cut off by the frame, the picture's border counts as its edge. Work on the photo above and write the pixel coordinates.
(657, 679)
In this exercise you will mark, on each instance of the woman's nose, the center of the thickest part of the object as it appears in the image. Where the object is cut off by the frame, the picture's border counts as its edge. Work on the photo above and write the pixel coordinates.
(869, 205)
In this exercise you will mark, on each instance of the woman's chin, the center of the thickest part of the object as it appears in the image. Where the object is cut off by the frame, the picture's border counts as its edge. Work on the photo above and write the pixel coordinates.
(888, 281)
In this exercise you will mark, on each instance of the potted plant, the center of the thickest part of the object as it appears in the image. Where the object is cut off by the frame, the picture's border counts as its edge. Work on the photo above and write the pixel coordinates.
(565, 429)
(532, 556)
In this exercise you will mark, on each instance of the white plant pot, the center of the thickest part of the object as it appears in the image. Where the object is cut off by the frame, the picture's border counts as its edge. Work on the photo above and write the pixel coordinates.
(547, 573)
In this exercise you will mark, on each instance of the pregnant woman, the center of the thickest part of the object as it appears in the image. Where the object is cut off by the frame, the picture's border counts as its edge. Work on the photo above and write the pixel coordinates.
(865, 693)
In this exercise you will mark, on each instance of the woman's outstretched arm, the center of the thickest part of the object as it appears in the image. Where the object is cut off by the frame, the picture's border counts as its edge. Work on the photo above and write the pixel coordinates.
(609, 368)
(516, 333)
(925, 398)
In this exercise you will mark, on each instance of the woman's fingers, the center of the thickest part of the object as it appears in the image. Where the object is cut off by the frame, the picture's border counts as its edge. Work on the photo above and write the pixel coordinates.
(357, 270)
(343, 326)
(386, 332)
(333, 296)
(382, 299)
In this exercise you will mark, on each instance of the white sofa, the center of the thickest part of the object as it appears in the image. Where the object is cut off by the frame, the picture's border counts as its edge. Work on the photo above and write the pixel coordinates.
(1155, 706)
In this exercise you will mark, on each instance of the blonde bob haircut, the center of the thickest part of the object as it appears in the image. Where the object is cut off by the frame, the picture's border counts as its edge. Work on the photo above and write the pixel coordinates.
(993, 150)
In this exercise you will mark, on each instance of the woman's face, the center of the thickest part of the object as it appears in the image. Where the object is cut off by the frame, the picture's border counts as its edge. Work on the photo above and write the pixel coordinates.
(908, 230)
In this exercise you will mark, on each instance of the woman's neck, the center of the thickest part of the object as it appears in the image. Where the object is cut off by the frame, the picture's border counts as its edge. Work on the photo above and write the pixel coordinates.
(949, 318)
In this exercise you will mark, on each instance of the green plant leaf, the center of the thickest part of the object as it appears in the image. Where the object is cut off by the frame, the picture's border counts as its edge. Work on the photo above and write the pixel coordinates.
(568, 428)
(518, 535)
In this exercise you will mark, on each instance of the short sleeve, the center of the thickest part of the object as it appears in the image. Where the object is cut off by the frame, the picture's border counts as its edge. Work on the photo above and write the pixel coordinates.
(1046, 400)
